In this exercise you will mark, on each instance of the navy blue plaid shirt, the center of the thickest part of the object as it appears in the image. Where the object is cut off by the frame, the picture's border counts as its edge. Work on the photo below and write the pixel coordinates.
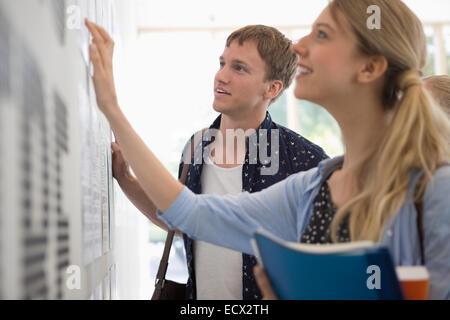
(295, 154)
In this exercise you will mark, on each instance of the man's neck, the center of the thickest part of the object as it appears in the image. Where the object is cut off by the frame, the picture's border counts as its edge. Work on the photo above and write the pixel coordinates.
(234, 149)
(242, 121)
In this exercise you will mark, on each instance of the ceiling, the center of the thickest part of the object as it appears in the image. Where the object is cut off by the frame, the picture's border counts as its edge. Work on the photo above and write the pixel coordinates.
(235, 13)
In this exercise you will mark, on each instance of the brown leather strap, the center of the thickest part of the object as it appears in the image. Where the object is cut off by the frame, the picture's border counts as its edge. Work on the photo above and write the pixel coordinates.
(419, 209)
(162, 270)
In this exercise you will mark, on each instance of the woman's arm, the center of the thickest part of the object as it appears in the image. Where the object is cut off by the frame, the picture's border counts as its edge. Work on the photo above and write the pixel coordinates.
(227, 221)
(132, 189)
(230, 221)
(146, 166)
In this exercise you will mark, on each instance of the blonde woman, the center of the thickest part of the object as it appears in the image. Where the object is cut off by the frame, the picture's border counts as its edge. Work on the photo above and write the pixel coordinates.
(395, 141)
(439, 87)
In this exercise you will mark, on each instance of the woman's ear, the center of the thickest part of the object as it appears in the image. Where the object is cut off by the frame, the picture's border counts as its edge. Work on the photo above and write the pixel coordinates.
(273, 89)
(373, 69)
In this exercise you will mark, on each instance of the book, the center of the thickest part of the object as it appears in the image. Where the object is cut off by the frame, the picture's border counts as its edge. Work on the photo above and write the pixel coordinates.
(345, 271)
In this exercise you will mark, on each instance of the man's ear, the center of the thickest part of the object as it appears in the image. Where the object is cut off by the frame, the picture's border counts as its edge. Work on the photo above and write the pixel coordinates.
(274, 87)
(373, 68)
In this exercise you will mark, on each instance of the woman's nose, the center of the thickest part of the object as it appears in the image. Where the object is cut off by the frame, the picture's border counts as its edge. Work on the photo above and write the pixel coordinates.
(300, 47)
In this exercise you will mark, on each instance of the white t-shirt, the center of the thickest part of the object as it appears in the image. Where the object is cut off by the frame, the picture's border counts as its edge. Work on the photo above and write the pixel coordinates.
(218, 271)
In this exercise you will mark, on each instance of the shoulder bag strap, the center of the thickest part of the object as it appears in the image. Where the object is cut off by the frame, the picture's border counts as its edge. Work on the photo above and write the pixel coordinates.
(162, 270)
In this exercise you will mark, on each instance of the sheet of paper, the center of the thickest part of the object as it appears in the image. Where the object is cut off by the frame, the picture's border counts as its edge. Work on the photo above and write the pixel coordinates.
(84, 37)
(107, 287)
(92, 10)
(85, 141)
(91, 167)
(110, 193)
(112, 13)
(113, 280)
(99, 12)
(98, 292)
(105, 142)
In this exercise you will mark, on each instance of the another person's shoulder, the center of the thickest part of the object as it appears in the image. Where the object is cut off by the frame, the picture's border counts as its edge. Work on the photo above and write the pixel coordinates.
(298, 143)
(436, 197)
(440, 183)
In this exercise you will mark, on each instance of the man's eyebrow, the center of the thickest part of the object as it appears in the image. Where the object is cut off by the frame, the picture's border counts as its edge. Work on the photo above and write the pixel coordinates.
(240, 62)
(237, 61)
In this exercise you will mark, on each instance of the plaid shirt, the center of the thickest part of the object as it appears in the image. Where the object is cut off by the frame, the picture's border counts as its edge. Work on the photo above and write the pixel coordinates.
(295, 154)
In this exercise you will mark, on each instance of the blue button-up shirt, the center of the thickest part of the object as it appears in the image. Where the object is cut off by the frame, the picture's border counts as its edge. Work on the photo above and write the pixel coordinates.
(285, 208)
(295, 154)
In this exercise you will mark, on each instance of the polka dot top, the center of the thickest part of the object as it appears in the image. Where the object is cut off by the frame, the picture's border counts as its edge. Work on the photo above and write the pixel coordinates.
(318, 229)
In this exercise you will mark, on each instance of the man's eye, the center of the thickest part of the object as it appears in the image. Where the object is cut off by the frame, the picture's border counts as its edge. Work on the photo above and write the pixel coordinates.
(240, 68)
(221, 64)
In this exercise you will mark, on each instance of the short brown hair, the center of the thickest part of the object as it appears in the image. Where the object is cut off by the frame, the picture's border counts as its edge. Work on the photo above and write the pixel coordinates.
(275, 50)
(439, 87)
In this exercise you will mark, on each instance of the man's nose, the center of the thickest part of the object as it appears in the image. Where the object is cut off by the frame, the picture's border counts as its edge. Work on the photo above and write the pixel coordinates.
(223, 76)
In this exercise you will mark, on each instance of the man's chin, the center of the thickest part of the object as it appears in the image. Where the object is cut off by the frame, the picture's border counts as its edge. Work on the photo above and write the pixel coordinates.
(219, 108)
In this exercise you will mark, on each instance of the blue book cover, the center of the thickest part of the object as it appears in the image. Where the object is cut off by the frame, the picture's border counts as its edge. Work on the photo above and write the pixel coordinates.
(357, 270)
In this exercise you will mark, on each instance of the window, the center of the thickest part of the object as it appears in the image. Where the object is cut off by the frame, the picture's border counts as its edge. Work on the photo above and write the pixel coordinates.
(318, 126)
(447, 45)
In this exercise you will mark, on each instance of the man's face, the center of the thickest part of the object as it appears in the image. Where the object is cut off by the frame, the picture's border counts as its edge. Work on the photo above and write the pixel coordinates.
(239, 84)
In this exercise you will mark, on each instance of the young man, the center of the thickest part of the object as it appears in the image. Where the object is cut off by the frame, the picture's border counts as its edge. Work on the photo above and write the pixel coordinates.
(256, 66)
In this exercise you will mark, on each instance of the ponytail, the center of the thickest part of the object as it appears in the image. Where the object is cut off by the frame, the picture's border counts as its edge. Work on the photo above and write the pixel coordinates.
(416, 139)
(418, 130)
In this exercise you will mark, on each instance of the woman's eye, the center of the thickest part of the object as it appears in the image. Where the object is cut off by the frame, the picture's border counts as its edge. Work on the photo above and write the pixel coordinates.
(221, 64)
(322, 35)
(240, 69)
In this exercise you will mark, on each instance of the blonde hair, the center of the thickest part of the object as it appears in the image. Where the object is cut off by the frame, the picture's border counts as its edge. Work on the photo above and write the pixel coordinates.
(439, 87)
(417, 137)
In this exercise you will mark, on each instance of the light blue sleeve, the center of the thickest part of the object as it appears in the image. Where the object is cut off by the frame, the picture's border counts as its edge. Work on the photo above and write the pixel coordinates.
(436, 226)
(229, 221)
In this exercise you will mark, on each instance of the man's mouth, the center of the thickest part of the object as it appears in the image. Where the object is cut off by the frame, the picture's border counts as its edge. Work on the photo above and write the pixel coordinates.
(222, 91)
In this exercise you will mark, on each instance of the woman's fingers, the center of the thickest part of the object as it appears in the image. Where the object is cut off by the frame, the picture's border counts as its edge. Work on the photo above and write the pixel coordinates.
(103, 43)
(96, 58)
(94, 30)
(105, 35)
(115, 147)
(264, 283)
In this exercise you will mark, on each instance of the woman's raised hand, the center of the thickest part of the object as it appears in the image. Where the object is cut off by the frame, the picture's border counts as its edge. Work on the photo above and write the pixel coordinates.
(101, 52)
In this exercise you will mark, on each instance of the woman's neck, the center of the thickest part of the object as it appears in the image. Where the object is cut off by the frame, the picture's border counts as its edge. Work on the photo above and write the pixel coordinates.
(363, 125)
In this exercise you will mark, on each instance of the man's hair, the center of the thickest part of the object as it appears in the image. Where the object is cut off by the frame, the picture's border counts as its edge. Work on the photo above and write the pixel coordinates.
(439, 87)
(275, 50)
